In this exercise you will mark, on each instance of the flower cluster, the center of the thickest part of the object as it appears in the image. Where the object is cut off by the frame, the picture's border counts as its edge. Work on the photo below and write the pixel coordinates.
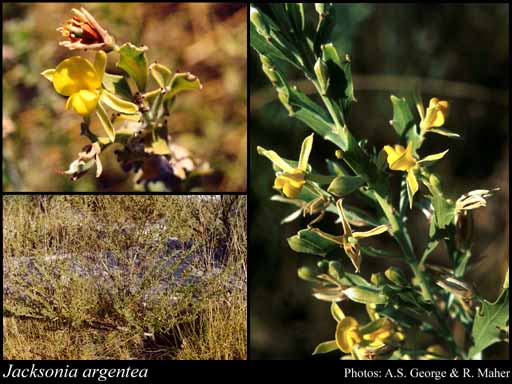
(130, 116)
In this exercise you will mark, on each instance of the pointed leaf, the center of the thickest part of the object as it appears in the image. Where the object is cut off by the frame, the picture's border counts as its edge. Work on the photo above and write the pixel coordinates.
(105, 122)
(307, 241)
(336, 312)
(161, 74)
(344, 185)
(133, 61)
(403, 122)
(326, 347)
(117, 84)
(488, 321)
(118, 104)
(444, 209)
(183, 82)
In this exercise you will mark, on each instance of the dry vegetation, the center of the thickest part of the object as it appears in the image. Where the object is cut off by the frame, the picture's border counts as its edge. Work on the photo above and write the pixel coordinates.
(65, 297)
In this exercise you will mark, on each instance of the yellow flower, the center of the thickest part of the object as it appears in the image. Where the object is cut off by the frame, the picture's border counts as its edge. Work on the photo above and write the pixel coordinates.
(349, 239)
(436, 352)
(402, 159)
(347, 334)
(436, 114)
(77, 78)
(290, 180)
(291, 183)
(381, 334)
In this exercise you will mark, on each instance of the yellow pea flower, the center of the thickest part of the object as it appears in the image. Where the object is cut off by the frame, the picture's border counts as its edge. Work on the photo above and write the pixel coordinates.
(347, 334)
(436, 352)
(291, 183)
(290, 180)
(402, 159)
(436, 114)
(381, 334)
(79, 79)
(349, 240)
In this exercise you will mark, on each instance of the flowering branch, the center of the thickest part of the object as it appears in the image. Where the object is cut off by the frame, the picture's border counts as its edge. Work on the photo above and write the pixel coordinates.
(133, 117)
(429, 302)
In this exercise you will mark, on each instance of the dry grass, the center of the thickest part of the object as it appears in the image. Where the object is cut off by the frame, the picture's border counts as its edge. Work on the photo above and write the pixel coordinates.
(65, 314)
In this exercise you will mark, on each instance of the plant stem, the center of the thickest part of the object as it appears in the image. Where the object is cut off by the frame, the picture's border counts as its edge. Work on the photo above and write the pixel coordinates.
(400, 234)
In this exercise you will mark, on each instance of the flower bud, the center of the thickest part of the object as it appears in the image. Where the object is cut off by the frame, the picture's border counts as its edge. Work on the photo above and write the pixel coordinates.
(84, 32)
(365, 295)
(307, 274)
(396, 276)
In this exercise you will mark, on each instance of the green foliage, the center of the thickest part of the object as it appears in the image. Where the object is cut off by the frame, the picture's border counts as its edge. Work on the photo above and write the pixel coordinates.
(134, 62)
(434, 296)
(489, 321)
(403, 122)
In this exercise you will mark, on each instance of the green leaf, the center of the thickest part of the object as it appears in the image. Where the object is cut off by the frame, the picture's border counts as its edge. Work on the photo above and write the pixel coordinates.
(326, 347)
(357, 280)
(365, 295)
(118, 104)
(133, 61)
(403, 122)
(488, 321)
(377, 252)
(161, 74)
(336, 312)
(117, 84)
(296, 14)
(183, 82)
(395, 276)
(340, 75)
(105, 122)
(444, 209)
(307, 241)
(324, 28)
(344, 185)
(320, 179)
(261, 45)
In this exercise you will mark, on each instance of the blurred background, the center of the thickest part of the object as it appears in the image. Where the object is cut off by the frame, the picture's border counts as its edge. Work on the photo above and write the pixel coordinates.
(41, 138)
(458, 53)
